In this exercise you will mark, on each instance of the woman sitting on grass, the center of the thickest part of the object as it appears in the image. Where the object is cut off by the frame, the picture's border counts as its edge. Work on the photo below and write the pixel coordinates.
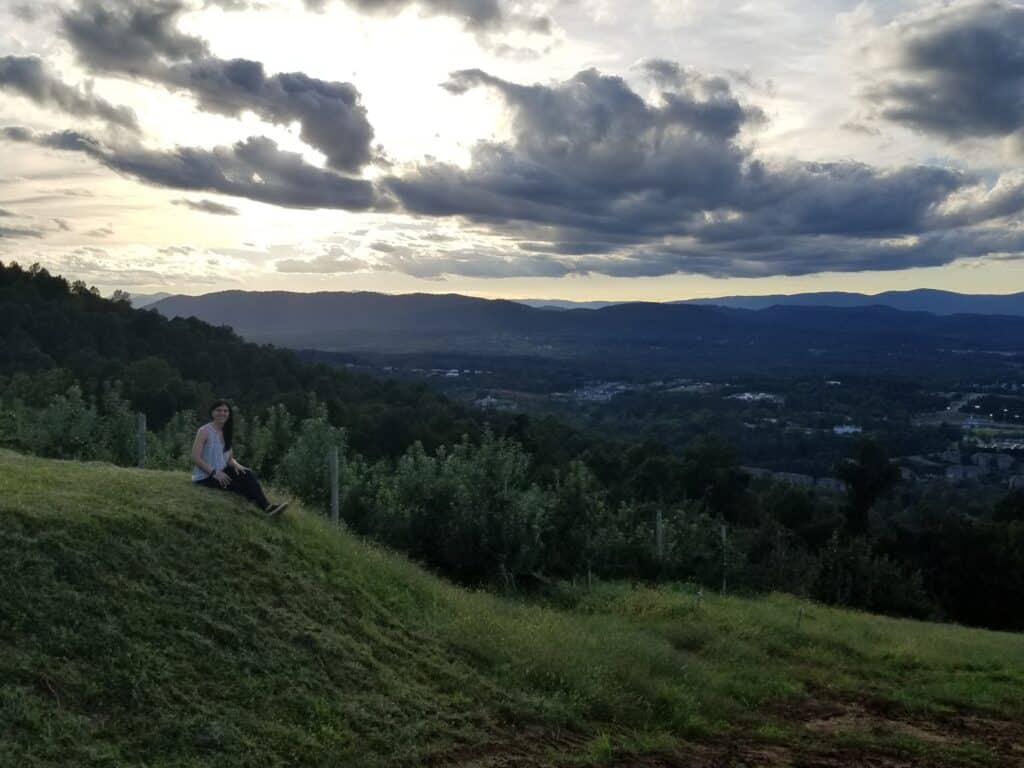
(216, 467)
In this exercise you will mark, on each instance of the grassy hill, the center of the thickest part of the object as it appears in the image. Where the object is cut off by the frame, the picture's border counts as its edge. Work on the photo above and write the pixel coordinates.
(144, 621)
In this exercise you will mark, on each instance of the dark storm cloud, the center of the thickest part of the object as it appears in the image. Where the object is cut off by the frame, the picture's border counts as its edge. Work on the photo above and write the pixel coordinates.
(590, 154)
(208, 206)
(144, 42)
(761, 258)
(597, 179)
(255, 169)
(960, 73)
(127, 38)
(27, 76)
(768, 256)
(841, 199)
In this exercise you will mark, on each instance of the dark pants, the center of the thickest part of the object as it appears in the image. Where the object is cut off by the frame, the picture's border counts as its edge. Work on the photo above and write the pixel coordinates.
(243, 483)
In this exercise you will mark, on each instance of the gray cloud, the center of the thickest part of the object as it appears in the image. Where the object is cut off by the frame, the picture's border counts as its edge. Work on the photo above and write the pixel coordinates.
(959, 73)
(596, 179)
(126, 38)
(25, 12)
(144, 42)
(333, 261)
(27, 76)
(18, 232)
(208, 206)
(481, 16)
(854, 126)
(757, 258)
(255, 169)
(591, 155)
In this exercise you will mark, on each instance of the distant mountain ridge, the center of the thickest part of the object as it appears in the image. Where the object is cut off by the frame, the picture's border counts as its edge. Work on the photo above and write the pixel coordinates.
(383, 322)
(919, 300)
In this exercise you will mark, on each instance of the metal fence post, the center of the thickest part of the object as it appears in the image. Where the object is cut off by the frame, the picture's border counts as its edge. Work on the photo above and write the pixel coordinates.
(725, 557)
(140, 428)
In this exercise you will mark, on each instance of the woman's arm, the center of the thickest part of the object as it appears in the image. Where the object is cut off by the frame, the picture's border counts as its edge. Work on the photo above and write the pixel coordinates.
(234, 462)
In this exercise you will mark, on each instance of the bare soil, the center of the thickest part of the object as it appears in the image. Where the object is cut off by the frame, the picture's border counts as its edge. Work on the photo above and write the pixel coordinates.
(826, 733)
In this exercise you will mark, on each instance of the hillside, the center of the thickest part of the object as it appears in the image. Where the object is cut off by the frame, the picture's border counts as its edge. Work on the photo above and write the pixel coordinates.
(147, 622)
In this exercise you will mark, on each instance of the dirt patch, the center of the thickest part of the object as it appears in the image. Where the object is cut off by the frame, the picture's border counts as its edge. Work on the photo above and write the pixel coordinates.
(857, 718)
(825, 733)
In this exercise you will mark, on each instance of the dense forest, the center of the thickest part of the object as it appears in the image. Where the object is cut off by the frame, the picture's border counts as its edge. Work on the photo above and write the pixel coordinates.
(502, 499)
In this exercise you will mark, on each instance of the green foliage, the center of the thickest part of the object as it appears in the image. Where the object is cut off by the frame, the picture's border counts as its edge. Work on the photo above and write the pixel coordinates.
(304, 467)
(868, 475)
(851, 572)
(471, 511)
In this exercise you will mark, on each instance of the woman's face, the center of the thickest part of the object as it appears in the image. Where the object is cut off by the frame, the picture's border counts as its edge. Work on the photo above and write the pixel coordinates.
(220, 414)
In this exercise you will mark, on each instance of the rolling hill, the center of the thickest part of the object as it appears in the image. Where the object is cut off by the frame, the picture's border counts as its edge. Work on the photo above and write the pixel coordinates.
(144, 621)
(624, 339)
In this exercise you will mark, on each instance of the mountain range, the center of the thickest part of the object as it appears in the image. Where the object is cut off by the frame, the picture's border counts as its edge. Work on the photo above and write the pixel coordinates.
(919, 300)
(657, 338)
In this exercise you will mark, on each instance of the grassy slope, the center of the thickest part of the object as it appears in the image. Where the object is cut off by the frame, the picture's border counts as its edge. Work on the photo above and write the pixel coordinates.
(147, 622)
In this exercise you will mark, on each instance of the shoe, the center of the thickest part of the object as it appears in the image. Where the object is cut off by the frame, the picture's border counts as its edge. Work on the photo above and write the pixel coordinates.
(277, 509)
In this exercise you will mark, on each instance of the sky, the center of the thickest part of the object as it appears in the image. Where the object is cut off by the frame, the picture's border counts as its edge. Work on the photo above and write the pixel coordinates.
(561, 149)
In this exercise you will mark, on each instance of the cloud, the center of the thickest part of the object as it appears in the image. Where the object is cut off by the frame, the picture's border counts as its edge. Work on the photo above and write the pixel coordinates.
(144, 42)
(134, 269)
(25, 12)
(9, 233)
(474, 262)
(480, 16)
(255, 169)
(27, 76)
(956, 73)
(207, 206)
(127, 38)
(854, 126)
(597, 179)
(333, 261)
(589, 153)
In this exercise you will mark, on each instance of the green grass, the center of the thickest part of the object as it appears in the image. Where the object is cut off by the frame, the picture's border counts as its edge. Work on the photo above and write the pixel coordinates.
(144, 621)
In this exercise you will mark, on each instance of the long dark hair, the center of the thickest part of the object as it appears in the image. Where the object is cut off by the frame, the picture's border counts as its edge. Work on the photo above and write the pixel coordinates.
(229, 425)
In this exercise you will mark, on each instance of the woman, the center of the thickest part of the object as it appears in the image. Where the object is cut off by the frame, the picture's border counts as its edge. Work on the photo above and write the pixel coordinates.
(216, 467)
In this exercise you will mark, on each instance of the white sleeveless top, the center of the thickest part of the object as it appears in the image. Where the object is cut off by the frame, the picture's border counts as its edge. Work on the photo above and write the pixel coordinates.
(213, 453)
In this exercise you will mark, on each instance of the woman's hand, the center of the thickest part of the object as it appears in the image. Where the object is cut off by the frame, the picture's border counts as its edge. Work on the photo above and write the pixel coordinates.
(240, 468)
(222, 478)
